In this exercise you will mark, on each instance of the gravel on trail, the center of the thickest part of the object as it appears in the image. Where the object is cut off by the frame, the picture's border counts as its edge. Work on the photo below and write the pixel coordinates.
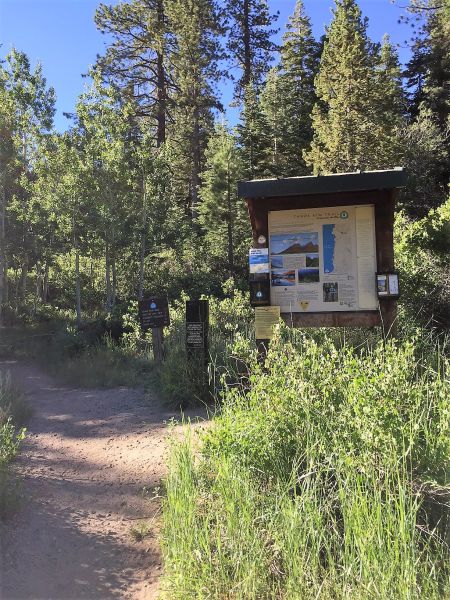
(89, 467)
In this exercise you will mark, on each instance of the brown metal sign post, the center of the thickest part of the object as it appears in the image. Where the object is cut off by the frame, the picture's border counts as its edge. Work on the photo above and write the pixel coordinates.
(197, 329)
(327, 237)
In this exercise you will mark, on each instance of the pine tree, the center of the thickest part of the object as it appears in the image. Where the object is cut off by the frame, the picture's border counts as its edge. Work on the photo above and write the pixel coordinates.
(222, 213)
(425, 157)
(196, 27)
(136, 61)
(390, 106)
(249, 43)
(350, 133)
(254, 138)
(428, 76)
(288, 96)
(275, 113)
(428, 71)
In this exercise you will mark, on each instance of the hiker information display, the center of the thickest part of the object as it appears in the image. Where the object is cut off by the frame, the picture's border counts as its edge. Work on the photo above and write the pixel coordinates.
(323, 259)
(154, 312)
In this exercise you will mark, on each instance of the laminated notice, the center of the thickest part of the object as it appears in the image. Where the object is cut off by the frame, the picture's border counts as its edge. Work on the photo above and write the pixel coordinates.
(266, 317)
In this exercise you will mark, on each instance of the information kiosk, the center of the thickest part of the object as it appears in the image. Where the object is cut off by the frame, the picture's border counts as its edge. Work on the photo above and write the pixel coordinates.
(323, 247)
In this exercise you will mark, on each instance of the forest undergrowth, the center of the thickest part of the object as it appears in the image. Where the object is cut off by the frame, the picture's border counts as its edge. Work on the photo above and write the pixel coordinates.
(13, 414)
(324, 475)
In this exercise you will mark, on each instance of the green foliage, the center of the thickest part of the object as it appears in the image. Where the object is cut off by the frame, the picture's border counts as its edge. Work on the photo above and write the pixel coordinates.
(358, 108)
(222, 213)
(139, 28)
(426, 159)
(13, 412)
(249, 25)
(309, 482)
(288, 97)
(196, 25)
(9, 442)
(428, 71)
(422, 255)
(184, 379)
(254, 137)
(13, 406)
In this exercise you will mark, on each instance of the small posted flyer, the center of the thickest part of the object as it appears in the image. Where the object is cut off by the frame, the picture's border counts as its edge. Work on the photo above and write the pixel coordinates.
(266, 317)
(259, 260)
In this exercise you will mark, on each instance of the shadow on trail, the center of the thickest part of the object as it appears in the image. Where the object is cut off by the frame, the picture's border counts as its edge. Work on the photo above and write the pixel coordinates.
(101, 566)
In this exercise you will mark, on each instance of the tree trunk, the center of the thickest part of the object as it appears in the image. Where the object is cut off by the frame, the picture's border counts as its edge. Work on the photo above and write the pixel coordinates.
(230, 226)
(247, 48)
(5, 282)
(114, 280)
(45, 283)
(108, 279)
(143, 239)
(16, 291)
(24, 277)
(37, 287)
(3, 271)
(91, 276)
(161, 81)
(195, 168)
(78, 286)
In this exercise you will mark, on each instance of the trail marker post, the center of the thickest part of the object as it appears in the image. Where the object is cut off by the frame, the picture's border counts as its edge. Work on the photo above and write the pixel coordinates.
(197, 329)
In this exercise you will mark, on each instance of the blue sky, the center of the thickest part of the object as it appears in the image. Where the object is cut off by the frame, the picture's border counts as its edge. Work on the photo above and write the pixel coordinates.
(61, 34)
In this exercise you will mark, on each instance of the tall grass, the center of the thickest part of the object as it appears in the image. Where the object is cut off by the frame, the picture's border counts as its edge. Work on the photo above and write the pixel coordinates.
(13, 413)
(184, 379)
(310, 484)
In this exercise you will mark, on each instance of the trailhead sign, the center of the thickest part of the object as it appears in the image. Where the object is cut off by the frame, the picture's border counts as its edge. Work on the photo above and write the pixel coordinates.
(154, 312)
(323, 248)
(323, 259)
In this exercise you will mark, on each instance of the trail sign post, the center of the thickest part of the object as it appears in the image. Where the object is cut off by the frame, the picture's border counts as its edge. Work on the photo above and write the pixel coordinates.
(154, 315)
(197, 326)
(325, 238)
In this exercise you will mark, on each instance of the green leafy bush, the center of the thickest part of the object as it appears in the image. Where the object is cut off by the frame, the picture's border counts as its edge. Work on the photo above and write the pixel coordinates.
(184, 379)
(423, 258)
(13, 412)
(10, 441)
(312, 481)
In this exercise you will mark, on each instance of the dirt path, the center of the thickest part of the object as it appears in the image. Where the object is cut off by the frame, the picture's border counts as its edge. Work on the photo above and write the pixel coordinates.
(87, 457)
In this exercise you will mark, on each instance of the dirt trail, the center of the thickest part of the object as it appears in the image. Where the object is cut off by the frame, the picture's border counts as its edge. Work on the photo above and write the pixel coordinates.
(87, 457)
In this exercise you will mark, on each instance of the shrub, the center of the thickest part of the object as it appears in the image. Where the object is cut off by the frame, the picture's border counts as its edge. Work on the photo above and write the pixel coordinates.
(311, 481)
(13, 411)
(184, 378)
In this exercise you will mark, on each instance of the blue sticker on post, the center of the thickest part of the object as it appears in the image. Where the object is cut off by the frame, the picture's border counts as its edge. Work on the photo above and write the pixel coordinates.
(259, 260)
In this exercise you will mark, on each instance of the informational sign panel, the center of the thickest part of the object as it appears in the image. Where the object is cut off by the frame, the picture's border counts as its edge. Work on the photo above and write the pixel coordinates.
(197, 318)
(154, 312)
(323, 259)
(260, 292)
(195, 335)
(387, 285)
(259, 260)
(266, 317)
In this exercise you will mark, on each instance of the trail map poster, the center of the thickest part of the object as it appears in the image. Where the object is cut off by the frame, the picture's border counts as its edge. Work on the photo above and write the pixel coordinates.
(323, 259)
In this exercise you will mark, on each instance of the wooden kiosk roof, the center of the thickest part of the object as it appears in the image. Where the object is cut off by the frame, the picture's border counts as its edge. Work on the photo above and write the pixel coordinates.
(323, 184)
